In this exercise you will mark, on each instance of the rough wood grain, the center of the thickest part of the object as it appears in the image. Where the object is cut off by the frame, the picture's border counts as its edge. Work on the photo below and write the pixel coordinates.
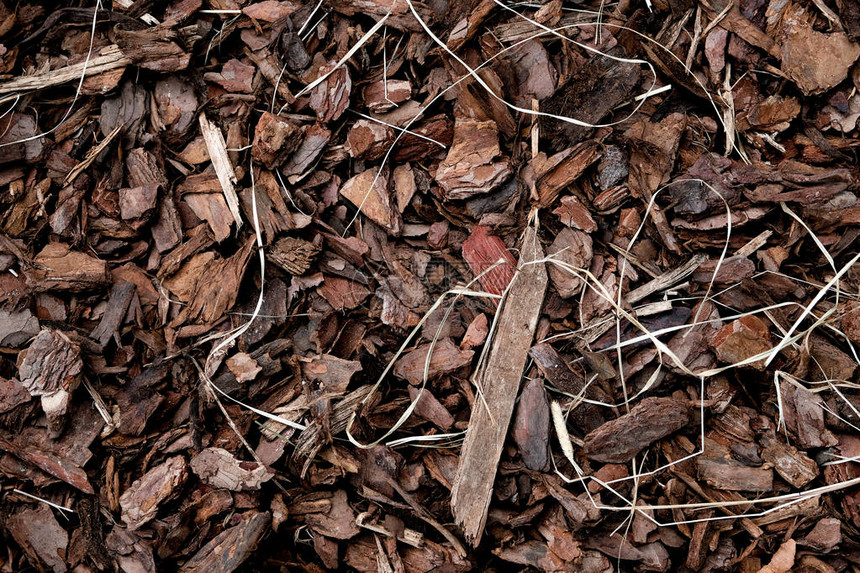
(110, 58)
(499, 382)
(619, 440)
(221, 162)
(230, 548)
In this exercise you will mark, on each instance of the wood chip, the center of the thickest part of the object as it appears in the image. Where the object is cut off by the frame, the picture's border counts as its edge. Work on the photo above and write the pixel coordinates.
(217, 467)
(37, 532)
(489, 260)
(217, 148)
(473, 165)
(60, 268)
(229, 549)
(742, 339)
(816, 61)
(51, 369)
(140, 502)
(446, 358)
(531, 425)
(617, 441)
(376, 202)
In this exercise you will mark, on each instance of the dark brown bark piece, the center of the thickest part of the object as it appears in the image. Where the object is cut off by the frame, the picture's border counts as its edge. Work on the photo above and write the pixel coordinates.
(177, 103)
(815, 61)
(445, 359)
(15, 127)
(804, 416)
(368, 140)
(330, 373)
(167, 228)
(586, 417)
(211, 298)
(825, 536)
(531, 426)
(143, 168)
(17, 327)
(229, 549)
(574, 214)
(849, 12)
(342, 293)
(59, 467)
(91, 529)
(411, 147)
(400, 15)
(369, 192)
(114, 313)
(315, 139)
(39, 534)
(555, 173)
(12, 394)
(138, 203)
(331, 98)
(130, 551)
(198, 239)
(573, 250)
(732, 270)
(717, 468)
(153, 49)
(535, 554)
(617, 441)
(741, 339)
(138, 401)
(791, 464)
(334, 518)
(431, 409)
(587, 96)
(234, 76)
(274, 140)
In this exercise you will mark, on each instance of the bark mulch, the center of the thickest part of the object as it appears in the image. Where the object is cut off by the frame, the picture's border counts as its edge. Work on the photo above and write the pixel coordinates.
(453, 285)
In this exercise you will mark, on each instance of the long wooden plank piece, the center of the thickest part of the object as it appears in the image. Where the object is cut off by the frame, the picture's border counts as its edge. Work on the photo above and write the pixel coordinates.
(500, 381)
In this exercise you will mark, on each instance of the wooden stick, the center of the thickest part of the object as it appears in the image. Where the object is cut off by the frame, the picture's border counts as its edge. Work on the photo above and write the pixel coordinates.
(221, 162)
(110, 59)
(92, 154)
(499, 381)
(666, 280)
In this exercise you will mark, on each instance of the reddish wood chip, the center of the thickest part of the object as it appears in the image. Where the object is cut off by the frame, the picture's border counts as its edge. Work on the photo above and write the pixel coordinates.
(482, 251)
(61, 268)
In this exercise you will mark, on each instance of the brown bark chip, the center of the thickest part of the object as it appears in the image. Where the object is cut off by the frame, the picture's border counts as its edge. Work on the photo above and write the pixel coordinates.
(619, 440)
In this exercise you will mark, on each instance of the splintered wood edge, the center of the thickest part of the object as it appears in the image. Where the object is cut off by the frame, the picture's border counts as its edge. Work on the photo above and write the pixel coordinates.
(217, 148)
(111, 58)
(500, 380)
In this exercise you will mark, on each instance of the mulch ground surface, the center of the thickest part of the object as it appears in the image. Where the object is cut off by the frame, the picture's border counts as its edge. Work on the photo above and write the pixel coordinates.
(452, 285)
